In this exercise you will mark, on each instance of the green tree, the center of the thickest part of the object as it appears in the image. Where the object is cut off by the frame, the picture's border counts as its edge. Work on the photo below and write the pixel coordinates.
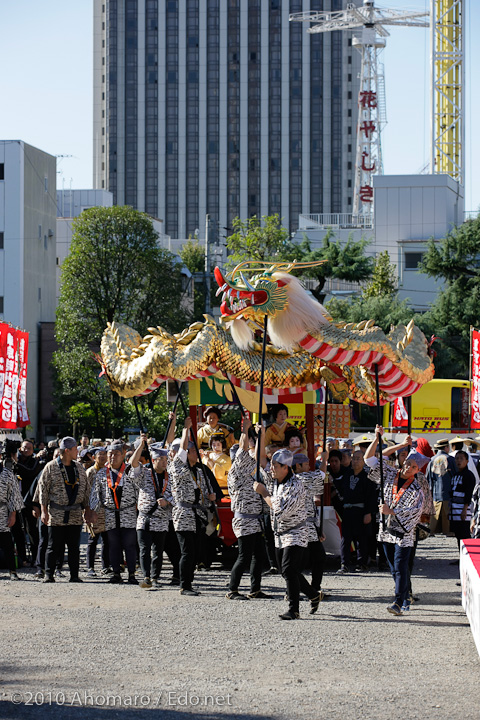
(262, 239)
(115, 271)
(455, 260)
(342, 261)
(384, 278)
(386, 310)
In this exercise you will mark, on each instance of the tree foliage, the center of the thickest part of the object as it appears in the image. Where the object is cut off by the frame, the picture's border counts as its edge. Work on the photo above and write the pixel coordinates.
(262, 239)
(115, 271)
(455, 260)
(386, 310)
(384, 278)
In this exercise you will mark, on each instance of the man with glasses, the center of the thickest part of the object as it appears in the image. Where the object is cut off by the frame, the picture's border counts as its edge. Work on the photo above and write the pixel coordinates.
(401, 511)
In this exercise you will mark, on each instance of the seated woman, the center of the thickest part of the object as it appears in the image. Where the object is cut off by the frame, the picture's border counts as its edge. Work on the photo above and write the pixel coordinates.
(275, 433)
(218, 460)
(295, 441)
(212, 426)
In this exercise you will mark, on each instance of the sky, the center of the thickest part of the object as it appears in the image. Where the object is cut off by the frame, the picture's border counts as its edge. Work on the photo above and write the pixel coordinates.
(46, 55)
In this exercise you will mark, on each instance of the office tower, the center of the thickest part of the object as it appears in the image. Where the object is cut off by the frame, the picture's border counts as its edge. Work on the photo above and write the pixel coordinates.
(222, 107)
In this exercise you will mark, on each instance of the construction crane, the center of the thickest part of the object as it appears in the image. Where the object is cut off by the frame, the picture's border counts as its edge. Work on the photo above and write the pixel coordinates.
(371, 106)
(448, 81)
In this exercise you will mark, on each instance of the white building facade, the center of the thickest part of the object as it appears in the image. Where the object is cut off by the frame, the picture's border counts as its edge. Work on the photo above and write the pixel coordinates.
(27, 248)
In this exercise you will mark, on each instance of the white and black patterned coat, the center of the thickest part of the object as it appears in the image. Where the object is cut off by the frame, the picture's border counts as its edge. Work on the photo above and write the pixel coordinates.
(288, 511)
(244, 499)
(10, 497)
(160, 517)
(102, 496)
(408, 510)
(52, 490)
(313, 482)
(184, 495)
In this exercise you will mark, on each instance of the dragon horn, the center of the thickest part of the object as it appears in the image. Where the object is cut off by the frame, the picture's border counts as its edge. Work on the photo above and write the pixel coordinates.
(248, 285)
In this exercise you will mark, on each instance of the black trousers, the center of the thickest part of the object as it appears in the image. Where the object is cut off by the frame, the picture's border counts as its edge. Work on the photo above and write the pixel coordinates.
(461, 528)
(251, 556)
(317, 563)
(172, 548)
(354, 530)
(19, 538)
(290, 562)
(30, 524)
(269, 541)
(122, 540)
(6, 545)
(42, 549)
(188, 548)
(58, 537)
(151, 545)
(92, 549)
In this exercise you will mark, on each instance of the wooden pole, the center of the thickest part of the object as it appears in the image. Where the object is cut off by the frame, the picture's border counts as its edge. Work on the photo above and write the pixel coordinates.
(260, 401)
(379, 439)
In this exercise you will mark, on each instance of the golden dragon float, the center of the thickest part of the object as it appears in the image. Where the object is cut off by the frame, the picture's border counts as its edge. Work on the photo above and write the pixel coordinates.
(306, 347)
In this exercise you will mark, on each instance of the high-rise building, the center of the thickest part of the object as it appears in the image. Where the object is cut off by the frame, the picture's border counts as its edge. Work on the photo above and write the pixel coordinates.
(223, 107)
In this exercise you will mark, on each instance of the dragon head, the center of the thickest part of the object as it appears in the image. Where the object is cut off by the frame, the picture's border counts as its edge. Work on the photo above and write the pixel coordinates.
(269, 292)
(250, 299)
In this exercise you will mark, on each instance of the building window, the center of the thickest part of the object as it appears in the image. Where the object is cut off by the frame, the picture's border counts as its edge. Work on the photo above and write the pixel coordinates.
(2, 171)
(413, 260)
(1, 240)
(1, 304)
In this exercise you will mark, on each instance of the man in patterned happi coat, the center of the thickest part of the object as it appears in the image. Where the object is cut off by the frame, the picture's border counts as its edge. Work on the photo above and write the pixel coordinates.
(402, 510)
(248, 508)
(10, 503)
(63, 495)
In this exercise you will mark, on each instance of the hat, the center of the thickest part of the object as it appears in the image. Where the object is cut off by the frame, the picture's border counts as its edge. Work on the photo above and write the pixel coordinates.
(331, 439)
(457, 440)
(175, 445)
(84, 453)
(157, 451)
(440, 444)
(98, 449)
(52, 444)
(363, 439)
(283, 457)
(138, 442)
(233, 451)
(213, 409)
(299, 459)
(423, 446)
(116, 445)
(67, 443)
(420, 459)
(471, 441)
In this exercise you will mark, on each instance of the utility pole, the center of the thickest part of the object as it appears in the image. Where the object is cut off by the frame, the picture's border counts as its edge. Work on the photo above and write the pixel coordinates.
(208, 308)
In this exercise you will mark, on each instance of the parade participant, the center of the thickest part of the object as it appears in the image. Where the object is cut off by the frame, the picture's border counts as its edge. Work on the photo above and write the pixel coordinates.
(115, 492)
(28, 467)
(359, 504)
(87, 458)
(440, 472)
(463, 485)
(295, 441)
(402, 508)
(97, 529)
(192, 499)
(247, 508)
(63, 493)
(10, 503)
(457, 444)
(217, 460)
(346, 459)
(285, 494)
(213, 426)
(275, 433)
(154, 512)
(335, 471)
(313, 482)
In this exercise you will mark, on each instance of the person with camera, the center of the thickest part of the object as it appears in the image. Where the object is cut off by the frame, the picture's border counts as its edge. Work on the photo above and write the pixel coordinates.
(401, 511)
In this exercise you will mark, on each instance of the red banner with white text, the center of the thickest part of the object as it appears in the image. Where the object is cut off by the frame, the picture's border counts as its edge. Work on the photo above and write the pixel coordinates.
(13, 377)
(475, 390)
(400, 415)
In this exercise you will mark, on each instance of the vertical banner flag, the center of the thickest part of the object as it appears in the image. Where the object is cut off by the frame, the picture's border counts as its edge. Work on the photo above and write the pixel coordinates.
(475, 391)
(13, 377)
(400, 415)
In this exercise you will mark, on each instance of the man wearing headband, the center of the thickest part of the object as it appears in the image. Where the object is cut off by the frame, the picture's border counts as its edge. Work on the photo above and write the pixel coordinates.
(97, 529)
(63, 494)
(247, 508)
(116, 492)
(402, 510)
(285, 494)
(154, 512)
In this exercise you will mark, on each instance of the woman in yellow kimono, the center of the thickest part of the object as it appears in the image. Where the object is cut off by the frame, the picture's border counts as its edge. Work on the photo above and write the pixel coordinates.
(218, 460)
(212, 426)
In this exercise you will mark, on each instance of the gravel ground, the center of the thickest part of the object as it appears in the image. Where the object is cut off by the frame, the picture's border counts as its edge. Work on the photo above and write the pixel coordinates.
(77, 644)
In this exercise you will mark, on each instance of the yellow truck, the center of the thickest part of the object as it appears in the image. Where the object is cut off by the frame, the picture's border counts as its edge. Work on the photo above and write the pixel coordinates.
(440, 406)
